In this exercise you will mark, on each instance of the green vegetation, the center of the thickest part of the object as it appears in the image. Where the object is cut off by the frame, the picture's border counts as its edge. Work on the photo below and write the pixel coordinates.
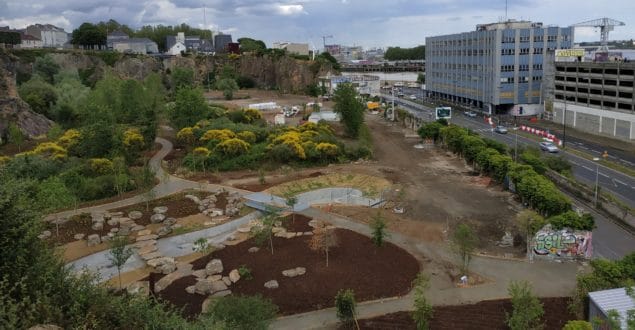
(248, 45)
(346, 307)
(527, 309)
(398, 53)
(422, 312)
(378, 229)
(243, 312)
(245, 273)
(578, 325)
(350, 108)
(528, 224)
(10, 38)
(119, 254)
(464, 241)
(264, 231)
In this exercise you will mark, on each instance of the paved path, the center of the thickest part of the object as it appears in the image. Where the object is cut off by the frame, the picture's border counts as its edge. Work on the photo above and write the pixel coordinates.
(168, 185)
(548, 279)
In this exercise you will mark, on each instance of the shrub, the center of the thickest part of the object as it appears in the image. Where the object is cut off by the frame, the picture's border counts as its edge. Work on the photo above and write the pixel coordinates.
(327, 150)
(69, 139)
(247, 136)
(217, 134)
(571, 219)
(245, 273)
(50, 150)
(186, 135)
(101, 165)
(527, 308)
(233, 147)
(244, 312)
(578, 325)
(245, 82)
(345, 305)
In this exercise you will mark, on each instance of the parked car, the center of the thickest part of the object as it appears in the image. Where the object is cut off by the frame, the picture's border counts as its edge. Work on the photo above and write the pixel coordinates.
(500, 129)
(413, 97)
(471, 114)
(548, 146)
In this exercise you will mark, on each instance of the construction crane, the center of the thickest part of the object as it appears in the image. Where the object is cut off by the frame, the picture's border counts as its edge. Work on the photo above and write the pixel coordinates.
(324, 41)
(606, 25)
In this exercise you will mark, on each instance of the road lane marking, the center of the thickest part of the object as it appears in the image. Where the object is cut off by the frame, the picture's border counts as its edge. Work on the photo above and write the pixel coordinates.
(620, 182)
(588, 168)
(604, 175)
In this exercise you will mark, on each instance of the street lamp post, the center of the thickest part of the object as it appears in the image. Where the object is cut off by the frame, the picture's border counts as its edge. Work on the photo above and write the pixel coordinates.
(597, 177)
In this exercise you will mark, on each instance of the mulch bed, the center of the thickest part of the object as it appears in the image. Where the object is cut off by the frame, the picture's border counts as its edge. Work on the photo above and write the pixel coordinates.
(297, 223)
(356, 264)
(484, 315)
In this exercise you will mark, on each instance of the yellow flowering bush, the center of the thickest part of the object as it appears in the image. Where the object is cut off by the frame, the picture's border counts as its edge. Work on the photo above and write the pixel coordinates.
(186, 135)
(49, 149)
(101, 165)
(218, 134)
(69, 139)
(233, 147)
(4, 160)
(247, 136)
(292, 139)
(327, 149)
(252, 115)
(133, 139)
(201, 151)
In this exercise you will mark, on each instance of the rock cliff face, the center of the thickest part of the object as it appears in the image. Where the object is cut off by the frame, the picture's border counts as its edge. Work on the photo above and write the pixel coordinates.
(13, 109)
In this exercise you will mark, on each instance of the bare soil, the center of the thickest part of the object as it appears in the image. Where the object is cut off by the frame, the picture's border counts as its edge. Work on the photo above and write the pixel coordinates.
(356, 263)
(486, 315)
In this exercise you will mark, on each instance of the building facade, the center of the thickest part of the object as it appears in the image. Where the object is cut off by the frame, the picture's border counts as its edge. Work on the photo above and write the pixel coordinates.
(29, 41)
(50, 35)
(221, 41)
(498, 67)
(364, 84)
(136, 46)
(292, 48)
(595, 97)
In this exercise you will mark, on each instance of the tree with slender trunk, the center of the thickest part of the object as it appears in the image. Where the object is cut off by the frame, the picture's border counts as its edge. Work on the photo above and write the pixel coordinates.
(529, 223)
(346, 307)
(291, 200)
(464, 241)
(378, 227)
(264, 232)
(527, 309)
(119, 254)
(422, 308)
(324, 238)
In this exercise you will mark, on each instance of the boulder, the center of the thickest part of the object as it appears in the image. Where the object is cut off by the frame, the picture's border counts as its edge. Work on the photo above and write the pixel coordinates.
(167, 268)
(201, 273)
(227, 281)
(114, 230)
(151, 255)
(157, 218)
(245, 229)
(218, 286)
(147, 238)
(234, 275)
(290, 273)
(139, 287)
(253, 249)
(106, 238)
(79, 236)
(93, 239)
(203, 287)
(112, 222)
(206, 304)
(123, 231)
(97, 226)
(147, 249)
(214, 267)
(44, 235)
(160, 261)
(137, 228)
(166, 280)
(135, 215)
(191, 289)
(117, 214)
(169, 221)
(214, 278)
(308, 233)
(273, 284)
(141, 244)
(144, 232)
(163, 231)
(160, 209)
(222, 293)
(300, 270)
(193, 198)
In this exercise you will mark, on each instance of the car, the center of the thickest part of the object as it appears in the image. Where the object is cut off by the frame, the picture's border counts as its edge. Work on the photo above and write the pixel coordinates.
(470, 114)
(548, 146)
(413, 97)
(500, 129)
(400, 94)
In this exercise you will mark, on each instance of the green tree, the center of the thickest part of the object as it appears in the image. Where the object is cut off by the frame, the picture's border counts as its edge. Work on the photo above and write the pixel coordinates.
(421, 78)
(243, 312)
(350, 108)
(251, 45)
(88, 35)
(430, 131)
(39, 94)
(10, 38)
(291, 200)
(46, 68)
(399, 54)
(264, 232)
(578, 325)
(529, 223)
(16, 136)
(119, 254)
(422, 308)
(326, 56)
(378, 228)
(189, 108)
(228, 86)
(346, 307)
(182, 77)
(464, 241)
(527, 310)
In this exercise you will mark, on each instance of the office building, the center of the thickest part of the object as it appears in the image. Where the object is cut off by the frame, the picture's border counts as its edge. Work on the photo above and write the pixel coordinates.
(497, 68)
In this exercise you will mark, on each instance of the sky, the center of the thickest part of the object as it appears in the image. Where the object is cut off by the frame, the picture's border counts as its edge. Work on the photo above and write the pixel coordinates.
(367, 23)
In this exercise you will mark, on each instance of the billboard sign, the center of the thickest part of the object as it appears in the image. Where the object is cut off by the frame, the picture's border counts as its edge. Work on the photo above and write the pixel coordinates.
(443, 112)
(576, 52)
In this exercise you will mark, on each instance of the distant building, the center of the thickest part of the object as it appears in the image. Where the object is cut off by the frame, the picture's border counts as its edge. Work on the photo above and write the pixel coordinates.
(601, 302)
(136, 46)
(221, 41)
(233, 48)
(50, 35)
(498, 67)
(597, 93)
(191, 43)
(176, 49)
(29, 41)
(115, 36)
(364, 84)
(292, 48)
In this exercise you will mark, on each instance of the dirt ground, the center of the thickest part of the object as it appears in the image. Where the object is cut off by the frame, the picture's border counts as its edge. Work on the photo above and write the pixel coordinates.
(486, 315)
(355, 263)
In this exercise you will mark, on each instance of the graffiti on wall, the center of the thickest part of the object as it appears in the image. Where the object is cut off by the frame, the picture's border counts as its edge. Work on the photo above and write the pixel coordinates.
(563, 243)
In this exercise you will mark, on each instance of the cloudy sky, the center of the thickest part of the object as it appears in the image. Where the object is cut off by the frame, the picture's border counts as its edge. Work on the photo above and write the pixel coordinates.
(369, 23)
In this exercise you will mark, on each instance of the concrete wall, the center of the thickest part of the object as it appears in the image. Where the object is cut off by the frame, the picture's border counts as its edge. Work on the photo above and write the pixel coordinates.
(619, 125)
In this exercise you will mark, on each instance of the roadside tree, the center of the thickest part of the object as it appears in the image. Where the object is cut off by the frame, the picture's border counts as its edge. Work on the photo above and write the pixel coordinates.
(350, 108)
(378, 227)
(464, 241)
(528, 223)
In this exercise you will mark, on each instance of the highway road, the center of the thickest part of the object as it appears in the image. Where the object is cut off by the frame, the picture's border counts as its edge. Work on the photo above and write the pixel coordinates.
(619, 184)
(609, 240)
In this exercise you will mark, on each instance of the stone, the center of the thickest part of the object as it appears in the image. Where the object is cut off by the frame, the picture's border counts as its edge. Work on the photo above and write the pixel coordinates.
(313, 223)
(93, 239)
(97, 217)
(112, 222)
(135, 215)
(193, 198)
(144, 232)
(201, 208)
(139, 287)
(244, 229)
(160, 261)
(290, 235)
(147, 249)
(273, 284)
(191, 289)
(300, 270)
(231, 237)
(203, 287)
(308, 233)
(147, 238)
(137, 228)
(160, 209)
(110, 235)
(45, 234)
(157, 218)
(151, 255)
(169, 221)
(214, 267)
(218, 286)
(165, 281)
(126, 222)
(206, 304)
(234, 276)
(177, 226)
(290, 273)
(97, 226)
(117, 214)
(106, 238)
(163, 231)
(253, 249)
(201, 273)
(184, 267)
(141, 244)
(213, 212)
(276, 230)
(114, 230)
(124, 231)
(222, 293)
(79, 236)
(167, 268)
(214, 278)
(227, 281)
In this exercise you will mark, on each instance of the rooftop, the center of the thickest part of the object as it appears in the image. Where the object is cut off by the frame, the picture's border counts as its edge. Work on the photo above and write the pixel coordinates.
(616, 299)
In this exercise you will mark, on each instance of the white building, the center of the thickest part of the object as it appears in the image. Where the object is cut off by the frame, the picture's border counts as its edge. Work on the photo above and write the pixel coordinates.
(50, 35)
(364, 84)
(29, 41)
(292, 48)
(176, 49)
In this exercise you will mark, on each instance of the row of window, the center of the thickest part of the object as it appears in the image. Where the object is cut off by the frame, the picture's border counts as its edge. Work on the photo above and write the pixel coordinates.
(540, 38)
(613, 71)
(595, 91)
(596, 81)
(601, 103)
(511, 80)
(521, 67)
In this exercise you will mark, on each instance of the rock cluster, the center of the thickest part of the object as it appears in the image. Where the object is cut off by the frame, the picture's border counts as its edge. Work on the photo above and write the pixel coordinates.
(293, 272)
(146, 246)
(208, 207)
(210, 280)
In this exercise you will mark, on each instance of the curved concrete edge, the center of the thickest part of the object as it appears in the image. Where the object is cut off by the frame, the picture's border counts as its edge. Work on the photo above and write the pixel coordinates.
(175, 246)
(336, 195)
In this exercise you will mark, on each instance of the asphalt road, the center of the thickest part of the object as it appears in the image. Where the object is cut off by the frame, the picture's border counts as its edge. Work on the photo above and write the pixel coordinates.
(609, 240)
(620, 185)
